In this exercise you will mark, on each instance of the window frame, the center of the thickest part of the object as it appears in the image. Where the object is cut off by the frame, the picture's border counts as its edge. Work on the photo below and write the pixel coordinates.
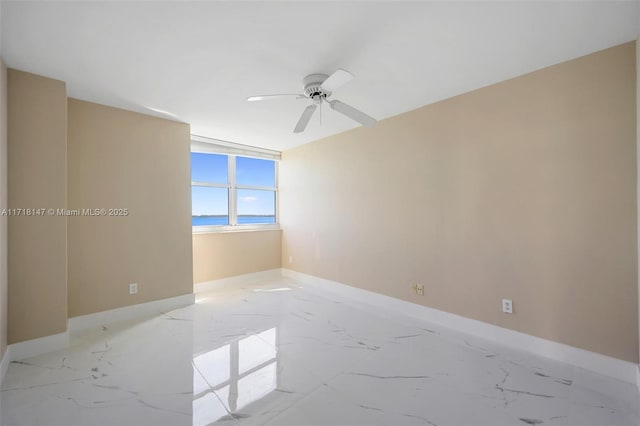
(232, 151)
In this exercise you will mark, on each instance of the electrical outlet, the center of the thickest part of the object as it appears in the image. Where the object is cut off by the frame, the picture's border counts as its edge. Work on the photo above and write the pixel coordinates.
(507, 306)
(133, 288)
(417, 289)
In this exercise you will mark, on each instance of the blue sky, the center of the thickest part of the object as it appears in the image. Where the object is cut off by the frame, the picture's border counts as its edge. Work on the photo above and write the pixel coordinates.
(249, 171)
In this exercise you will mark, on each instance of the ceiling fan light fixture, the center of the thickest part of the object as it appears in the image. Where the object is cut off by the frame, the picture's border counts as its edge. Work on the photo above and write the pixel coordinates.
(318, 88)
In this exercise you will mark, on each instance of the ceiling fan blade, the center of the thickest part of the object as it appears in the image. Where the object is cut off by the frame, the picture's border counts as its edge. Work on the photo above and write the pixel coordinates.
(353, 113)
(304, 118)
(337, 79)
(270, 97)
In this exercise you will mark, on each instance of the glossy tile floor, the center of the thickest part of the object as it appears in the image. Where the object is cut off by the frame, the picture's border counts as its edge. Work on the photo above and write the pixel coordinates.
(276, 353)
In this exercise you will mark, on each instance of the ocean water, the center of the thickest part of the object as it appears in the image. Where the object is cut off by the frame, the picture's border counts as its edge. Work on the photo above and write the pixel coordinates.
(224, 220)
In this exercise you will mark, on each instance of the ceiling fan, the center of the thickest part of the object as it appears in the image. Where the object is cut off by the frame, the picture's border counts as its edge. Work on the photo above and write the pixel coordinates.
(318, 88)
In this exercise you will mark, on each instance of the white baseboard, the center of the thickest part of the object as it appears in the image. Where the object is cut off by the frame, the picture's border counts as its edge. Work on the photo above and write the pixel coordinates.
(4, 364)
(155, 307)
(39, 346)
(42, 345)
(271, 274)
(618, 369)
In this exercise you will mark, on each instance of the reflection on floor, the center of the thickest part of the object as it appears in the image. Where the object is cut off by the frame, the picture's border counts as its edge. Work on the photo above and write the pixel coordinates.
(240, 373)
(276, 353)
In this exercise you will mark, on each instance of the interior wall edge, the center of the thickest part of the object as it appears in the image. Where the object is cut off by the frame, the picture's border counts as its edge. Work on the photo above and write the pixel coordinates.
(638, 180)
(37, 178)
(3, 205)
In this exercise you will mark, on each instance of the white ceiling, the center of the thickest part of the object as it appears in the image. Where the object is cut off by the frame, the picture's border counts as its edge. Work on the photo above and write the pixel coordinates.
(199, 61)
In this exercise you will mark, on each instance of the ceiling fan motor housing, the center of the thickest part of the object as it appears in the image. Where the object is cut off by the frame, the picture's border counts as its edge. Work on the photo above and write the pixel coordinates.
(318, 87)
(312, 86)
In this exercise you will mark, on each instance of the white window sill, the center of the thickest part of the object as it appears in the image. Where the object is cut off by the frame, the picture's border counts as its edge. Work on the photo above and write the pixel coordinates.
(234, 228)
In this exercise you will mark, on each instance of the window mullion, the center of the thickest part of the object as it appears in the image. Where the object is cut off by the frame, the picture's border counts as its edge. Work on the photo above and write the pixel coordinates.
(257, 188)
(233, 193)
(275, 193)
(210, 185)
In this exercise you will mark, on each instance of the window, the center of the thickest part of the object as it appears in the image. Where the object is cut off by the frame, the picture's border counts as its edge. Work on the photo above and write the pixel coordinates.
(230, 191)
(209, 189)
(256, 190)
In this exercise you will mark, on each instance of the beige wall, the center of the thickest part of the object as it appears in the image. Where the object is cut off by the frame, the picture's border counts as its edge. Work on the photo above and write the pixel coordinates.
(37, 245)
(3, 205)
(523, 190)
(222, 255)
(121, 159)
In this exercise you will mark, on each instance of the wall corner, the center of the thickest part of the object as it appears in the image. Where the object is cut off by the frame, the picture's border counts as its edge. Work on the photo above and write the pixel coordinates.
(638, 183)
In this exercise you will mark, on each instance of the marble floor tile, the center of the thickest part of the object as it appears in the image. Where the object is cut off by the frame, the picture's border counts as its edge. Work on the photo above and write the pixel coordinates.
(278, 353)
